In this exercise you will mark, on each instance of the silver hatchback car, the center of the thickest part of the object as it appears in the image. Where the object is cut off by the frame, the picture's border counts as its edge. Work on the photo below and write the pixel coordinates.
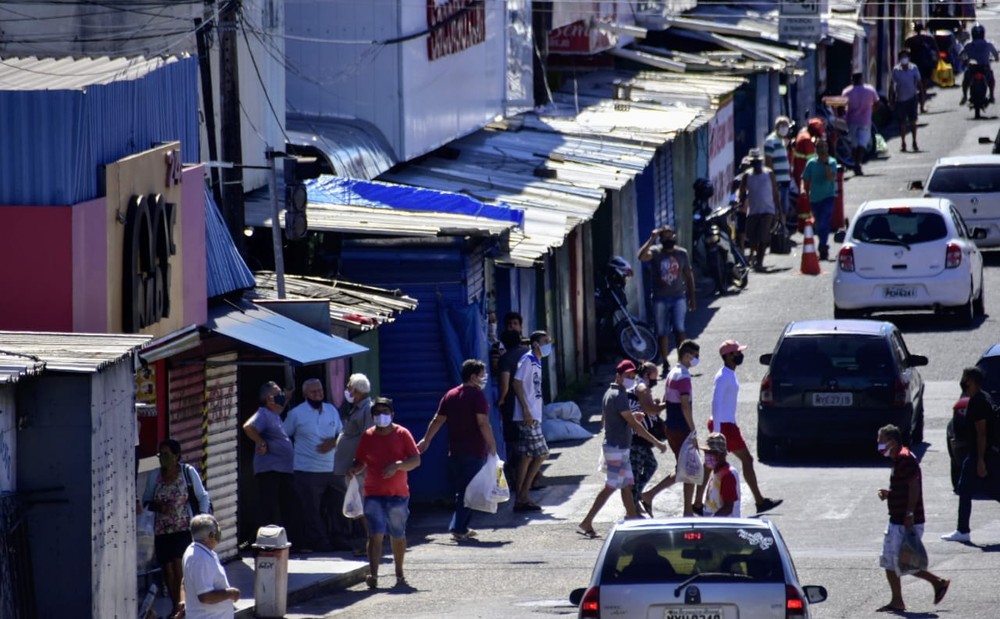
(695, 568)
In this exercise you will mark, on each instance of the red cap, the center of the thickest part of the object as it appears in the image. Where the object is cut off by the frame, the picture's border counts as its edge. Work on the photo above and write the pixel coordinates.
(625, 366)
(730, 346)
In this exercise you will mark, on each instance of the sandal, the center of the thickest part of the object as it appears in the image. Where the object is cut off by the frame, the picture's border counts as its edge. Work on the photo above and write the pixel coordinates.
(588, 533)
(647, 506)
(941, 590)
(401, 582)
(889, 608)
(371, 581)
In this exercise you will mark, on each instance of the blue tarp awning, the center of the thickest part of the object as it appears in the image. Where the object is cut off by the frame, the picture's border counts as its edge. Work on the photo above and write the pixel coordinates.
(259, 327)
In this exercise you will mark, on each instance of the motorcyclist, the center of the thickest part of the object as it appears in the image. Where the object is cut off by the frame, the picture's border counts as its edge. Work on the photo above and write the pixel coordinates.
(981, 51)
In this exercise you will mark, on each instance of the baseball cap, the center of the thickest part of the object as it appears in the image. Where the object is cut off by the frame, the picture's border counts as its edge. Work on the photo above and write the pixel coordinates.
(730, 346)
(625, 366)
(716, 443)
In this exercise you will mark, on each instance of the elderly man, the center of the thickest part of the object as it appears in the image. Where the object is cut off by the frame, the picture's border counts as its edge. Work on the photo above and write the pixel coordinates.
(207, 594)
(314, 427)
(273, 461)
(357, 419)
(776, 158)
(759, 189)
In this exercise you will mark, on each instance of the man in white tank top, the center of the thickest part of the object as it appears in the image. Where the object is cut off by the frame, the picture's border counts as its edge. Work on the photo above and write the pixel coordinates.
(760, 191)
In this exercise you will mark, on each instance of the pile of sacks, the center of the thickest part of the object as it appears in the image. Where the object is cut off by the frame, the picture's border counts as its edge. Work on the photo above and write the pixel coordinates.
(561, 422)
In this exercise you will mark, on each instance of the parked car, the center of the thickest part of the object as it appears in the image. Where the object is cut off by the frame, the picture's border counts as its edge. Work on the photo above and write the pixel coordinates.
(909, 254)
(989, 363)
(838, 382)
(972, 183)
(687, 568)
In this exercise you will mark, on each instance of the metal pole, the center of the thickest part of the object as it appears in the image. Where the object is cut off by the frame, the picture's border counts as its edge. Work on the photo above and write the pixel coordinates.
(279, 256)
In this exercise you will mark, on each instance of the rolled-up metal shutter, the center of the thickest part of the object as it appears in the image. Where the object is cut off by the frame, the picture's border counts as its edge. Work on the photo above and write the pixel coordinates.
(187, 411)
(220, 453)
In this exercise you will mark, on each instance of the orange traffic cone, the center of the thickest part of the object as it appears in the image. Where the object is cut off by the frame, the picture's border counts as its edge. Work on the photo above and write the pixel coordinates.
(810, 260)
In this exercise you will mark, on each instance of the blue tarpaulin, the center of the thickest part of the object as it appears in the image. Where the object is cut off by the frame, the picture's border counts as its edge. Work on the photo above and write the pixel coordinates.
(339, 190)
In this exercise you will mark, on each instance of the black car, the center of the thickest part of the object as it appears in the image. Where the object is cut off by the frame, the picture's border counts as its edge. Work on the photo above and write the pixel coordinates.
(838, 382)
(989, 363)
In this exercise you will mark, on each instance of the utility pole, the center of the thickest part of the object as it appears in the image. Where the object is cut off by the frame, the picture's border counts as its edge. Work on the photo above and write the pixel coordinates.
(232, 142)
(208, 103)
(279, 254)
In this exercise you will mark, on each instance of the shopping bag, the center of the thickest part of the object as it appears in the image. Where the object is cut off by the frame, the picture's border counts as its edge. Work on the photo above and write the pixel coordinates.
(912, 556)
(780, 242)
(354, 503)
(690, 469)
(482, 493)
(501, 491)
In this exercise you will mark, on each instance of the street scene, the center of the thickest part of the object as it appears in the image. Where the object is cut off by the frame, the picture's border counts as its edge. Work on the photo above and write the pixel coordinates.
(449, 308)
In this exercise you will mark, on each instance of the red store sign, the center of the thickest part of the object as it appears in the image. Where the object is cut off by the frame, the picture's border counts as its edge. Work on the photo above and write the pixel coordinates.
(455, 25)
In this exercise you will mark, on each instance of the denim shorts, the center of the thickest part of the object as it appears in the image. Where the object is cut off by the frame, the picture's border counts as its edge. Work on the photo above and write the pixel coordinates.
(387, 514)
(670, 313)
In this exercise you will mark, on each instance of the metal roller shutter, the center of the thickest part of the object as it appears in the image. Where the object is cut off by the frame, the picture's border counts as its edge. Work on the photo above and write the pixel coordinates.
(220, 452)
(187, 411)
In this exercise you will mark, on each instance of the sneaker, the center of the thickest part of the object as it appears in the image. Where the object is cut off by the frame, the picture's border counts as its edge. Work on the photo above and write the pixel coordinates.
(461, 537)
(768, 504)
(956, 536)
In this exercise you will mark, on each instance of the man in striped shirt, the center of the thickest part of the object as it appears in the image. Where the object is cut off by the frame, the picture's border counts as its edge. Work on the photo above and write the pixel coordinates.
(776, 158)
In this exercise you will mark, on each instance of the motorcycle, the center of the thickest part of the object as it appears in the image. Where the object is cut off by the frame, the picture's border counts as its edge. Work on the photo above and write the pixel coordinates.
(978, 88)
(714, 249)
(633, 337)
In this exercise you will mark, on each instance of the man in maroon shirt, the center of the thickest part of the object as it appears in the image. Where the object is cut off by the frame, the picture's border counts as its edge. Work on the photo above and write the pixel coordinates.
(470, 438)
(906, 511)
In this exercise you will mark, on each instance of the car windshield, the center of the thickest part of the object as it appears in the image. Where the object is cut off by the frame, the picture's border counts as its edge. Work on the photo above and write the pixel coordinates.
(965, 179)
(671, 555)
(832, 357)
(902, 227)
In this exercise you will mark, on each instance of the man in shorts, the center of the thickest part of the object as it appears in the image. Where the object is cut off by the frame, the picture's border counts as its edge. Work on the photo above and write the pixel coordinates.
(528, 416)
(390, 452)
(725, 394)
(619, 426)
(904, 497)
(906, 88)
(673, 286)
(759, 189)
(862, 100)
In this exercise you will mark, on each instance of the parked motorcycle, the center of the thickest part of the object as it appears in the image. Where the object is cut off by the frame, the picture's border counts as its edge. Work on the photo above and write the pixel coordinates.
(714, 249)
(632, 337)
(978, 88)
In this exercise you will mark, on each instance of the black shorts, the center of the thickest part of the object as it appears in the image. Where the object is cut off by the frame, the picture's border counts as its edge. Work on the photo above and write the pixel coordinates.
(906, 111)
(171, 546)
(741, 223)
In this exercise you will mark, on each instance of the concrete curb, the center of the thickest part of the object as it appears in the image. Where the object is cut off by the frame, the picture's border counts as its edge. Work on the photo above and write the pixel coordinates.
(331, 584)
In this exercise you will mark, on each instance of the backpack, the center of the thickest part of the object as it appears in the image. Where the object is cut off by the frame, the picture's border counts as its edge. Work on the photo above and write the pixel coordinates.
(188, 470)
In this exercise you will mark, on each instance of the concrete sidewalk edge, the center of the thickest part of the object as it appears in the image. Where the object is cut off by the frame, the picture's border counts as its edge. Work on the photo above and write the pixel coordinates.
(332, 584)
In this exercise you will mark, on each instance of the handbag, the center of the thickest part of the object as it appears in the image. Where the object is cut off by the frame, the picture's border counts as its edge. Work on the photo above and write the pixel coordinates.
(780, 241)
(188, 470)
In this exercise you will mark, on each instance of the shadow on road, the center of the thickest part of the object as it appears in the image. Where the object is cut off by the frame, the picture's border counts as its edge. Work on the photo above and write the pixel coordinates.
(830, 456)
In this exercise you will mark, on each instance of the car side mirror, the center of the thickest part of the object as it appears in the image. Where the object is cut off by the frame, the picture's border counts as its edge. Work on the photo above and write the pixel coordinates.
(576, 596)
(979, 233)
(766, 359)
(916, 185)
(985, 139)
(916, 360)
(839, 236)
(814, 593)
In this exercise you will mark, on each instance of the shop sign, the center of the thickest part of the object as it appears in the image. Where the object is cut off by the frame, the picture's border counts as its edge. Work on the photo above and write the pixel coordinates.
(149, 244)
(799, 20)
(454, 25)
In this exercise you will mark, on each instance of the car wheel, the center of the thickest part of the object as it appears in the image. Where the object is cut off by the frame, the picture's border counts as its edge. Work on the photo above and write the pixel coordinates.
(917, 433)
(965, 315)
(766, 448)
(979, 305)
(841, 314)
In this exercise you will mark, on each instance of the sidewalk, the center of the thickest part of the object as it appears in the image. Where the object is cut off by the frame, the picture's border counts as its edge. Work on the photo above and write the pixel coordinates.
(309, 576)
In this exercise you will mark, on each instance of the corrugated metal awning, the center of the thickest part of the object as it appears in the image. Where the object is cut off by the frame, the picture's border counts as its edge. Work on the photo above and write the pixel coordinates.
(261, 328)
(355, 306)
(68, 73)
(354, 148)
(225, 269)
(14, 367)
(68, 352)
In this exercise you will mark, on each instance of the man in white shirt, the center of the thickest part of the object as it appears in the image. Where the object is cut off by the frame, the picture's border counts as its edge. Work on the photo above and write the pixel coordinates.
(534, 450)
(207, 594)
(725, 395)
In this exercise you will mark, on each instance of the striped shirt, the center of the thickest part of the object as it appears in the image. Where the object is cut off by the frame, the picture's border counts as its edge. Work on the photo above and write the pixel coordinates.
(904, 468)
(774, 148)
(678, 384)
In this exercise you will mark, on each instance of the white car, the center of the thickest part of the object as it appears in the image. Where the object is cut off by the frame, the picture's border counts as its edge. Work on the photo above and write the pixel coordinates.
(972, 183)
(910, 254)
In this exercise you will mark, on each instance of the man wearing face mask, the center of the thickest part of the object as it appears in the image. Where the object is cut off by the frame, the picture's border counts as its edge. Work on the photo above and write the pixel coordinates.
(274, 459)
(759, 189)
(906, 511)
(673, 286)
(314, 426)
(906, 89)
(776, 158)
(470, 438)
(722, 490)
(725, 395)
(980, 468)
(620, 425)
(356, 419)
(819, 184)
(528, 416)
(647, 410)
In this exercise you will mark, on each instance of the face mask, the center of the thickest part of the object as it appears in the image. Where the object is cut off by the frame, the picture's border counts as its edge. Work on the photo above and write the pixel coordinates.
(652, 382)
(279, 399)
(964, 385)
(382, 420)
(738, 358)
(884, 450)
(546, 350)
(694, 362)
(628, 383)
(669, 244)
(758, 166)
(783, 131)
(348, 396)
(904, 61)
(317, 404)
(711, 460)
(481, 380)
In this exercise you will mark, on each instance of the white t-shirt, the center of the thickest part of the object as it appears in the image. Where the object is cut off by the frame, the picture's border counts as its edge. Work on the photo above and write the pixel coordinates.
(714, 491)
(529, 372)
(203, 573)
(724, 395)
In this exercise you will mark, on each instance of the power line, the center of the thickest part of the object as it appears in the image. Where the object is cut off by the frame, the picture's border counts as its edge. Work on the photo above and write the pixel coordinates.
(260, 80)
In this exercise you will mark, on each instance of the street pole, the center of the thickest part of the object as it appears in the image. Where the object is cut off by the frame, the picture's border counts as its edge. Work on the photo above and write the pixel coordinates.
(279, 256)
(232, 141)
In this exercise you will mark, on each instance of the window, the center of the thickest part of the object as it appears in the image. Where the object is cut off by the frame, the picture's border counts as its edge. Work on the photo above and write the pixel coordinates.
(965, 179)
(910, 227)
(828, 357)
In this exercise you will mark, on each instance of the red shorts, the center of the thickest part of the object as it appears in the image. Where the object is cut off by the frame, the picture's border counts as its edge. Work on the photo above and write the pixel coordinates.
(676, 438)
(734, 438)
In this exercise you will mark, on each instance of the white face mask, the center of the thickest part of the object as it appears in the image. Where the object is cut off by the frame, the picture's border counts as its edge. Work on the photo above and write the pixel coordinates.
(783, 131)
(628, 383)
(382, 420)
(546, 350)
(348, 396)
(694, 362)
(904, 61)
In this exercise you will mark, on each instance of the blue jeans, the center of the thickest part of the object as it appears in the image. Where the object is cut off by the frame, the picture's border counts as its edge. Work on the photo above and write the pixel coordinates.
(823, 212)
(670, 313)
(783, 191)
(463, 469)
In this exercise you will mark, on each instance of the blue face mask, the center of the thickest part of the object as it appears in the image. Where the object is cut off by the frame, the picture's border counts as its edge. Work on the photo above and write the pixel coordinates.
(546, 349)
(279, 399)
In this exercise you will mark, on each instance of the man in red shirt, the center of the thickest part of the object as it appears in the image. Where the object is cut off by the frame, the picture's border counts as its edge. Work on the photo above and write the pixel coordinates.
(722, 491)
(387, 452)
(906, 511)
(470, 438)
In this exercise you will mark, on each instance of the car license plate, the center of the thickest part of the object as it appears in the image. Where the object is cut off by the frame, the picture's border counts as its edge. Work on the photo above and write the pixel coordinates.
(694, 612)
(899, 292)
(833, 399)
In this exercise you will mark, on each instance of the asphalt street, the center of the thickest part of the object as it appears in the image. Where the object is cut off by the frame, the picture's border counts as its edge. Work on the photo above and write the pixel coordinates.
(525, 566)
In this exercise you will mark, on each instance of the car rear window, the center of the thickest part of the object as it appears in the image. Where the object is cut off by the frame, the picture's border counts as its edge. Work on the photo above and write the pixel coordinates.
(675, 554)
(965, 179)
(910, 227)
(832, 357)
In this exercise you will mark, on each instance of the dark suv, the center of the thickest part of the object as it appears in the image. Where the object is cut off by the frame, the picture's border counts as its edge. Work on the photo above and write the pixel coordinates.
(838, 381)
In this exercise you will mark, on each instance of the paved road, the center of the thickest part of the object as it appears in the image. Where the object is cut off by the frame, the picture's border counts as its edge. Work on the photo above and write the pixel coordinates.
(832, 519)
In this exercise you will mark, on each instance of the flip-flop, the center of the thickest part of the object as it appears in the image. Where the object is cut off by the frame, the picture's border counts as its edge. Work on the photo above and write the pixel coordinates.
(588, 533)
(647, 505)
(889, 608)
(940, 591)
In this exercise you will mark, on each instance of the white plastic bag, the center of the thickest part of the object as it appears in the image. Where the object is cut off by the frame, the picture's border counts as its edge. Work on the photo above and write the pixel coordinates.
(354, 504)
(690, 469)
(912, 556)
(484, 492)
